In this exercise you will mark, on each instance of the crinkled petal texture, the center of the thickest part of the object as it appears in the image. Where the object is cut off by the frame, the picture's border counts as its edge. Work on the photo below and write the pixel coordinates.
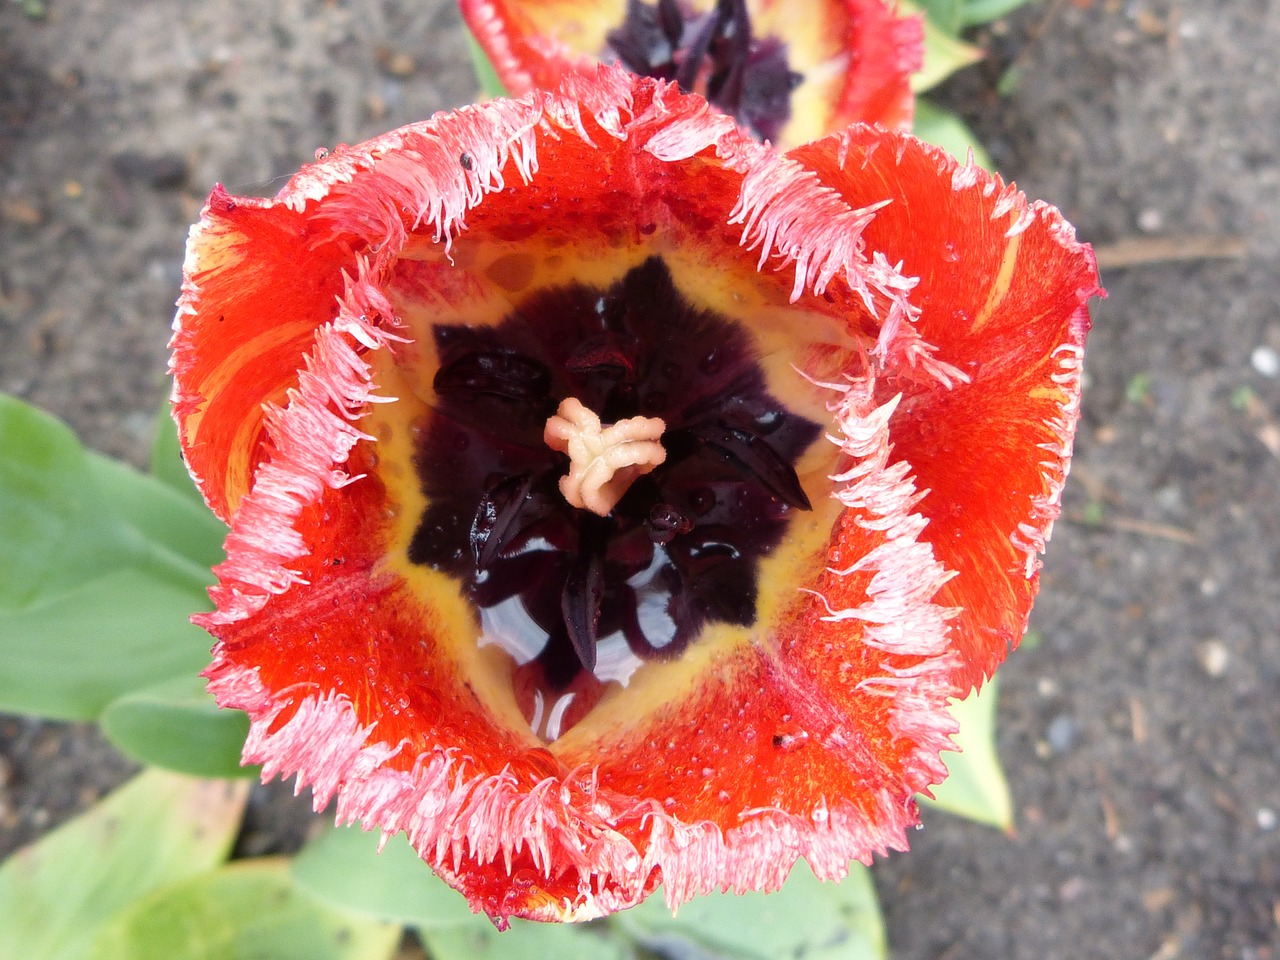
(853, 58)
(993, 451)
(919, 317)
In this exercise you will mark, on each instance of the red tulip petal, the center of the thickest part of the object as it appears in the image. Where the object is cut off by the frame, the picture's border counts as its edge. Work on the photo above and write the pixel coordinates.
(233, 362)
(1001, 298)
(856, 56)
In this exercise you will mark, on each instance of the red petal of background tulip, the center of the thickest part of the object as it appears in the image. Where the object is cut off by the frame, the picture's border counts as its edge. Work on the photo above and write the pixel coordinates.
(857, 55)
(993, 450)
(806, 732)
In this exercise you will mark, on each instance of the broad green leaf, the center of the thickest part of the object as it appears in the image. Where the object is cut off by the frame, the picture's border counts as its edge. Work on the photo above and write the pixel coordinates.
(806, 919)
(943, 14)
(486, 76)
(976, 788)
(480, 940)
(177, 725)
(944, 53)
(974, 12)
(74, 654)
(101, 568)
(167, 518)
(54, 523)
(68, 516)
(248, 910)
(944, 129)
(166, 463)
(158, 829)
(343, 866)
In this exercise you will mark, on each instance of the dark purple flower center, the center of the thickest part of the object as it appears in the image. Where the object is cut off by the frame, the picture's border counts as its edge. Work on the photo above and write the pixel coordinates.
(567, 587)
(713, 54)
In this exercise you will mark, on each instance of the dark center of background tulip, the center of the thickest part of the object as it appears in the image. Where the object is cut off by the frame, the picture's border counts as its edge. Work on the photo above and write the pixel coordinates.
(712, 54)
(573, 595)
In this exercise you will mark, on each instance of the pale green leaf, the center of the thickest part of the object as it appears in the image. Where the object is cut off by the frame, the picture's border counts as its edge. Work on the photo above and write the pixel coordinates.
(74, 654)
(944, 129)
(166, 518)
(806, 919)
(944, 53)
(976, 788)
(68, 516)
(343, 866)
(975, 12)
(158, 829)
(101, 568)
(177, 725)
(944, 14)
(249, 910)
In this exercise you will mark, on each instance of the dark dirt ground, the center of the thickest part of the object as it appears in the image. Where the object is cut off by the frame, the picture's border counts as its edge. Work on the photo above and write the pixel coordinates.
(1141, 735)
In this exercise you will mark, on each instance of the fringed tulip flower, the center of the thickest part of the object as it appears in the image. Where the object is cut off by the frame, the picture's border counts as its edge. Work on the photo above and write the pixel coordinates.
(614, 500)
(789, 72)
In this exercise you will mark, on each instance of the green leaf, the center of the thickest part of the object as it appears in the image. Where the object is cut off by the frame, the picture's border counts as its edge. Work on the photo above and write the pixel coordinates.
(158, 829)
(805, 919)
(975, 12)
(480, 940)
(943, 14)
(177, 725)
(249, 910)
(100, 570)
(68, 516)
(73, 655)
(343, 866)
(486, 76)
(976, 788)
(944, 129)
(167, 519)
(944, 53)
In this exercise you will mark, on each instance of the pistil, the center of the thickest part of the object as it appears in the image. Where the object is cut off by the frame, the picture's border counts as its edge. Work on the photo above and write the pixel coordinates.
(603, 461)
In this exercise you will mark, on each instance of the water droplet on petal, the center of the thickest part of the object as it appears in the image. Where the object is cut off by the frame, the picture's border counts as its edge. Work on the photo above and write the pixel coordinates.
(949, 252)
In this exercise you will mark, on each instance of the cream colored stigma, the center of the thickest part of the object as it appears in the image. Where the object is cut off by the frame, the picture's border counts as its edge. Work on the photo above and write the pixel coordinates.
(603, 461)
